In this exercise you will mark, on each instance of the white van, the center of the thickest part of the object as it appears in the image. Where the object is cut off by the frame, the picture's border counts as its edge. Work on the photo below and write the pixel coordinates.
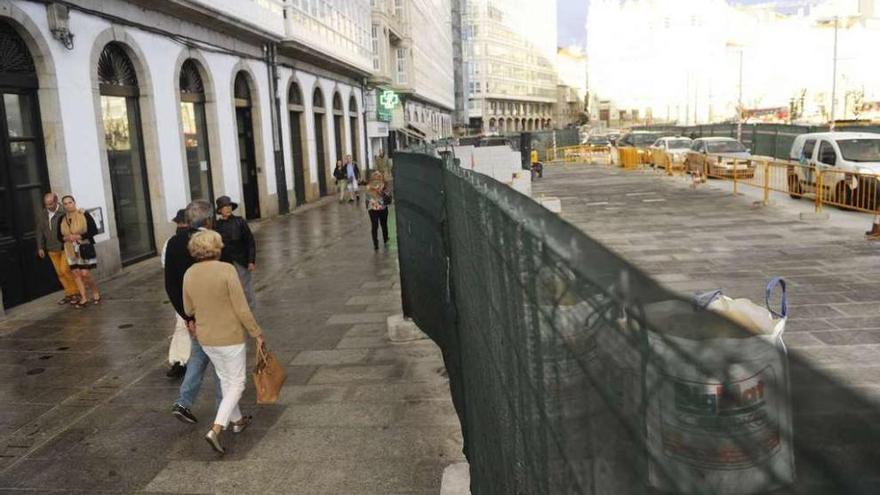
(840, 156)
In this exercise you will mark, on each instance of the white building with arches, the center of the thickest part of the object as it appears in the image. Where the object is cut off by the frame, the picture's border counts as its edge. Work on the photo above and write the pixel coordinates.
(149, 105)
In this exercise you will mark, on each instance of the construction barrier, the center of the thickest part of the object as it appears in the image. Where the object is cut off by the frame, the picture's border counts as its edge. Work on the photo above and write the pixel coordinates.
(824, 185)
(579, 154)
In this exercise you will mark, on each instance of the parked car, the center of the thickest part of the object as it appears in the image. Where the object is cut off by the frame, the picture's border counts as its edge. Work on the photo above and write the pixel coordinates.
(678, 147)
(598, 142)
(849, 163)
(724, 157)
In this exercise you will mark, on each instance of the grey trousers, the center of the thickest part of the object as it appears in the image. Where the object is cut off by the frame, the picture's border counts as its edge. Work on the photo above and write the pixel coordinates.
(247, 283)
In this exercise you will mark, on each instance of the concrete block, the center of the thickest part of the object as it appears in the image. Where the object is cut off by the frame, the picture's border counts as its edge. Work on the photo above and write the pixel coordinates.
(456, 479)
(401, 329)
(551, 203)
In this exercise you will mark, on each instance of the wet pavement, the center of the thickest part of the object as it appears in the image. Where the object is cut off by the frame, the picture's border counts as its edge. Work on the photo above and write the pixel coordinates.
(85, 404)
(695, 240)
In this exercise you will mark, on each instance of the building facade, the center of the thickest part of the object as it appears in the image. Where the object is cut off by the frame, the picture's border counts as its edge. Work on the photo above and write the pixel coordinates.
(509, 55)
(412, 77)
(684, 60)
(136, 108)
(571, 91)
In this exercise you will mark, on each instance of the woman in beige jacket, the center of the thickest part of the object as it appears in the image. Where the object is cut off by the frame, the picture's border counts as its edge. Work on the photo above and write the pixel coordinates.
(213, 295)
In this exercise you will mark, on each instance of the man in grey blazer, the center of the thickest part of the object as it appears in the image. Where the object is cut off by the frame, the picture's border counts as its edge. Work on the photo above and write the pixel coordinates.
(48, 244)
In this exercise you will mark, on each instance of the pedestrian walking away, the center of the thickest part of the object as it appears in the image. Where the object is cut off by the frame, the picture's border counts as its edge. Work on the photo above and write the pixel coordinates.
(377, 202)
(239, 247)
(47, 223)
(199, 215)
(341, 181)
(213, 295)
(352, 176)
(77, 230)
(180, 347)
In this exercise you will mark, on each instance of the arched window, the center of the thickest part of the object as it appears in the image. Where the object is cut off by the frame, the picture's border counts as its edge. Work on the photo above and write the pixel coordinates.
(195, 131)
(318, 99)
(294, 95)
(123, 140)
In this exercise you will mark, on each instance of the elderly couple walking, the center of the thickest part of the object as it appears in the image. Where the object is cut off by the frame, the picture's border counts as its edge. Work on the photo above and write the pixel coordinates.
(208, 295)
(66, 234)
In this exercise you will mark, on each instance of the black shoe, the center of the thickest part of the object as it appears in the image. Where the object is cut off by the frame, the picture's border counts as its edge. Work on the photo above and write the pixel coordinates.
(177, 370)
(375, 248)
(183, 414)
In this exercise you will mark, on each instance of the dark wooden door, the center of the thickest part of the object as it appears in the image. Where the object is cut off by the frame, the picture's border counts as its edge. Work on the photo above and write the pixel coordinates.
(248, 162)
(23, 180)
(296, 154)
(322, 160)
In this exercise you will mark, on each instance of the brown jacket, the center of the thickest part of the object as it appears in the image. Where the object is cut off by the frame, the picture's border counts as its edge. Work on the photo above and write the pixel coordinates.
(213, 295)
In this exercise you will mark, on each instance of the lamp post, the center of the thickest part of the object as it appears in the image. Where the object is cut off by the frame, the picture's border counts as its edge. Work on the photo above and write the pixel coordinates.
(739, 107)
(834, 80)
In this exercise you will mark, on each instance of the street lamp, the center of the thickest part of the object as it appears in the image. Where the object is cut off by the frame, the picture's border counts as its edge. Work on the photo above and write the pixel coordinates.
(739, 117)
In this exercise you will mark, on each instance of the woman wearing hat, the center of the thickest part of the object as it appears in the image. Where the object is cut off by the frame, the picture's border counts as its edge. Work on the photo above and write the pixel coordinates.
(377, 206)
(239, 247)
(77, 230)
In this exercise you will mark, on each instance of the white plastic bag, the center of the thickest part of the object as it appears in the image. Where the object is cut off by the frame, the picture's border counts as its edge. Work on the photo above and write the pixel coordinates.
(718, 414)
(181, 345)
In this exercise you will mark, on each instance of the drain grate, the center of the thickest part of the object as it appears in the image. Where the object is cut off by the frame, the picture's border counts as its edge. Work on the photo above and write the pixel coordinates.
(35, 371)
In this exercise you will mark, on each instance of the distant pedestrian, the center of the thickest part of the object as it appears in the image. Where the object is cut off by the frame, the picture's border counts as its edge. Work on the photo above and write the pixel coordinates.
(352, 176)
(341, 181)
(377, 202)
(181, 347)
(213, 295)
(48, 244)
(239, 247)
(77, 230)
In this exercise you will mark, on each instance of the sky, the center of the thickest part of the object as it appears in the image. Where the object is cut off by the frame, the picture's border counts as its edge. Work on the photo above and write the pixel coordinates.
(571, 18)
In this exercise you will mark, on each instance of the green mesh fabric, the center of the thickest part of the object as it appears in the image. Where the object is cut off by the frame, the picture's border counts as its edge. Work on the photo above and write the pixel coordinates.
(574, 372)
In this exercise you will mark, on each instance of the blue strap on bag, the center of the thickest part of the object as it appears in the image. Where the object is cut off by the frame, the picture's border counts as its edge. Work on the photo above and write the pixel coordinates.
(783, 300)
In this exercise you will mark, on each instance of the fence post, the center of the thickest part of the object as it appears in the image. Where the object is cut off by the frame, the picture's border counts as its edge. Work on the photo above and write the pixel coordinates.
(766, 182)
(735, 165)
(820, 189)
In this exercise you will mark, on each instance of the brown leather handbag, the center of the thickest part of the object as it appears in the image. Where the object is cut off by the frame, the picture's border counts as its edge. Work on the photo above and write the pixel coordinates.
(268, 375)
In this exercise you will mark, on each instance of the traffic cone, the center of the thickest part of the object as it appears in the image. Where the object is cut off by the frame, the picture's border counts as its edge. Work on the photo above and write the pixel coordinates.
(874, 233)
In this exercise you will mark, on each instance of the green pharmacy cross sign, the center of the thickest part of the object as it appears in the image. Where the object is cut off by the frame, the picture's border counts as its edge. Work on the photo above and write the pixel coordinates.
(388, 99)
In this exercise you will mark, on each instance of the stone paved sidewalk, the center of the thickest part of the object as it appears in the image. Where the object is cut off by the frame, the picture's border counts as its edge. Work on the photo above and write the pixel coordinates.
(696, 240)
(85, 403)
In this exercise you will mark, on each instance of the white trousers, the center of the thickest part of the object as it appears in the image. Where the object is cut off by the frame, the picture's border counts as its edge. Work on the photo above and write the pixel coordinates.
(230, 362)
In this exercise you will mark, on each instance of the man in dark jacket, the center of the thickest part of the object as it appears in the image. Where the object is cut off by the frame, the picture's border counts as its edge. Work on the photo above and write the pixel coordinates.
(177, 261)
(239, 247)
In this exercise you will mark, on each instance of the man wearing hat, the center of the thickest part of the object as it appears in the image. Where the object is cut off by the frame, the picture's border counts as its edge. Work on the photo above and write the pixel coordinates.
(239, 247)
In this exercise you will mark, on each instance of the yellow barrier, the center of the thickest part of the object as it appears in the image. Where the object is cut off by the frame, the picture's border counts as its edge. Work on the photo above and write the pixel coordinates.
(630, 158)
(826, 186)
(578, 154)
